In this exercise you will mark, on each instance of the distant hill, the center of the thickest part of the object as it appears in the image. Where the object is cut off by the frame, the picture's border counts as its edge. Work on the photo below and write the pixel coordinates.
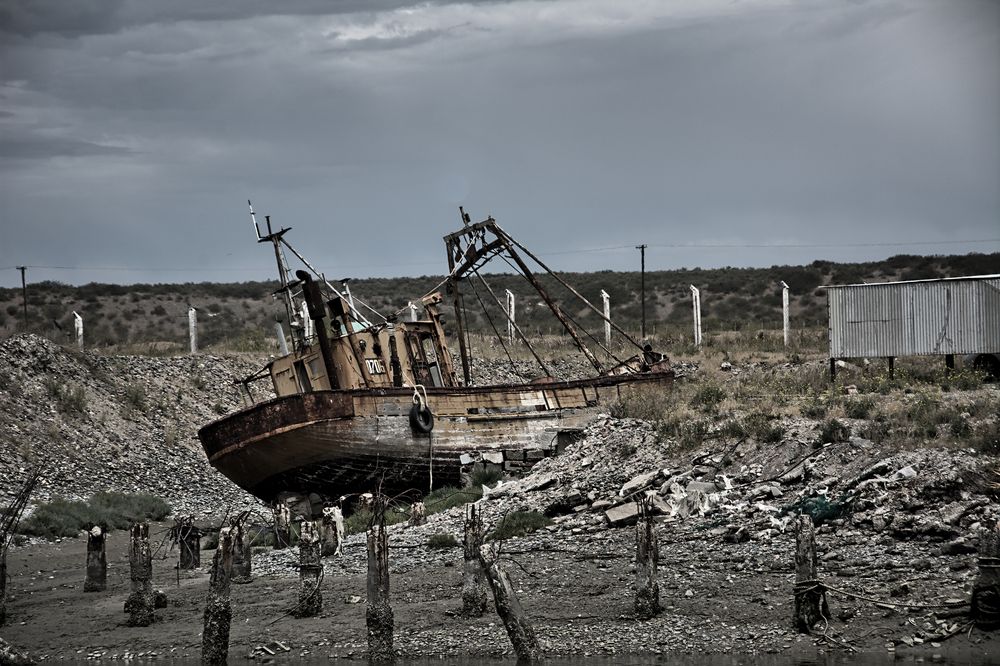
(241, 316)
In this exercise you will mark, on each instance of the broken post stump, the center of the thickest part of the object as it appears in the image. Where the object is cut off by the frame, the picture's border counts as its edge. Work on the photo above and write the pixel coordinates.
(97, 560)
(218, 608)
(418, 514)
(242, 553)
(3, 585)
(986, 590)
(378, 612)
(282, 527)
(333, 531)
(519, 628)
(810, 597)
(142, 600)
(310, 571)
(189, 543)
(647, 560)
(473, 578)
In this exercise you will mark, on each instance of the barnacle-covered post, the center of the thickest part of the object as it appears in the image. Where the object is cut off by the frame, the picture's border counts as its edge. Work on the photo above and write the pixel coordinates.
(141, 601)
(242, 550)
(333, 531)
(647, 559)
(418, 514)
(218, 608)
(519, 628)
(310, 570)
(189, 542)
(810, 598)
(986, 591)
(97, 560)
(473, 579)
(378, 612)
(282, 526)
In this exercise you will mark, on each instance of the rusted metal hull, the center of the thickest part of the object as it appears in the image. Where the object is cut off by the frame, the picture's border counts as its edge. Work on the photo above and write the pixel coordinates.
(342, 442)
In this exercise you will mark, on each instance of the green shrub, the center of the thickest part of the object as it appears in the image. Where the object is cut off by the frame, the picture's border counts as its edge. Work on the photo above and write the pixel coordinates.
(359, 521)
(761, 427)
(815, 407)
(135, 400)
(859, 408)
(66, 518)
(707, 398)
(833, 430)
(959, 426)
(485, 475)
(986, 438)
(732, 429)
(518, 524)
(876, 429)
(442, 540)
(448, 497)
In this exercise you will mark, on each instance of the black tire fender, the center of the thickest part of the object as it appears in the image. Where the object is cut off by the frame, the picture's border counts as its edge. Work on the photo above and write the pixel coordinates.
(421, 418)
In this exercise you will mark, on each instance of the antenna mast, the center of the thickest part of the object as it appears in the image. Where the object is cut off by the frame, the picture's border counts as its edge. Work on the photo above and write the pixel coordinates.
(274, 237)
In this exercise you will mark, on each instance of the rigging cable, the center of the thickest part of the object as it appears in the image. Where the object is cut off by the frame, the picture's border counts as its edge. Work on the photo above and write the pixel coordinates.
(489, 318)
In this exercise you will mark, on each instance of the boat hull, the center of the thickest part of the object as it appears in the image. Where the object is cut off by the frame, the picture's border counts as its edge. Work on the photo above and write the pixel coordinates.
(337, 443)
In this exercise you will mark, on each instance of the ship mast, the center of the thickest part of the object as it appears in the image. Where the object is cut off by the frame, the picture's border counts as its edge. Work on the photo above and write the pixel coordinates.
(275, 238)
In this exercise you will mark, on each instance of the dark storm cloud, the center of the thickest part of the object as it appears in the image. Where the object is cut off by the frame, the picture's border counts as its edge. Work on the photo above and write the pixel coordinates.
(136, 131)
(86, 17)
(34, 148)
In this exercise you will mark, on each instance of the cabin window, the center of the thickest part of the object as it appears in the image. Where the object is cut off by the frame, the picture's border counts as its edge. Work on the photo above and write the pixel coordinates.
(430, 353)
(315, 370)
(305, 385)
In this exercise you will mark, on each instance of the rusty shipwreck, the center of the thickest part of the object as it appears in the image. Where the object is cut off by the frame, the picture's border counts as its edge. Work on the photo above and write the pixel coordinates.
(361, 403)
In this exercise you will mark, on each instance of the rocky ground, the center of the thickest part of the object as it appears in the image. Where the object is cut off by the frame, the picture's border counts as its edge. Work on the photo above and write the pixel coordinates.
(897, 535)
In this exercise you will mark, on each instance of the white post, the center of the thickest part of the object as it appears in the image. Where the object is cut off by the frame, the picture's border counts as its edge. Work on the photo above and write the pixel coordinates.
(784, 309)
(78, 327)
(307, 323)
(413, 311)
(607, 316)
(350, 299)
(696, 304)
(510, 316)
(282, 343)
(193, 329)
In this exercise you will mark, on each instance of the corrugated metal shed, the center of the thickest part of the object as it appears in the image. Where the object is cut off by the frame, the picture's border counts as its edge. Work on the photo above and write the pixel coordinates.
(917, 318)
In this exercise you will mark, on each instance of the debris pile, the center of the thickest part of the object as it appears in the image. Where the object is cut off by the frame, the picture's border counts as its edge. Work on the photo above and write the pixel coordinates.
(118, 423)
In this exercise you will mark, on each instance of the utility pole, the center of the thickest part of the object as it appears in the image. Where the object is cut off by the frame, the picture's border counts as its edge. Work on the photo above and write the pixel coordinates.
(642, 288)
(24, 294)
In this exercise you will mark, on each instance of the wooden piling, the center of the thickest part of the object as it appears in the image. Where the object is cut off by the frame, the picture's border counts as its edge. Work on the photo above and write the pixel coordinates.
(242, 552)
(188, 542)
(418, 514)
(473, 578)
(218, 608)
(3, 585)
(986, 590)
(142, 600)
(519, 628)
(310, 570)
(333, 531)
(97, 560)
(810, 597)
(647, 560)
(282, 527)
(378, 612)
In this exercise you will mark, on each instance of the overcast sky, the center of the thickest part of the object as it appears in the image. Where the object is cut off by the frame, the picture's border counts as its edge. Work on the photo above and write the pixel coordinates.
(132, 132)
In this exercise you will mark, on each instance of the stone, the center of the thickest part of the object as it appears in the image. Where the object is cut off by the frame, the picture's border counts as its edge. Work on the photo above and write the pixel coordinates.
(494, 457)
(639, 482)
(623, 514)
(702, 486)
